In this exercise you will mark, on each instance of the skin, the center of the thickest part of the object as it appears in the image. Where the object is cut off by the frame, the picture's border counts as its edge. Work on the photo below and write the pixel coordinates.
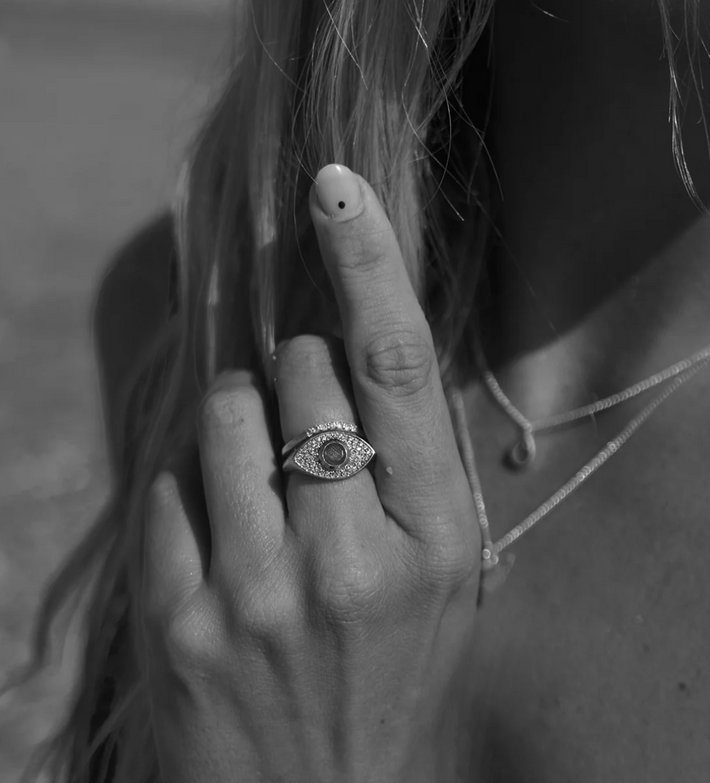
(589, 663)
(316, 639)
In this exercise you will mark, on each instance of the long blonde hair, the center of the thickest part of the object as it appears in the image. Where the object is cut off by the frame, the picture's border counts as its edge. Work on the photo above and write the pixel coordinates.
(372, 84)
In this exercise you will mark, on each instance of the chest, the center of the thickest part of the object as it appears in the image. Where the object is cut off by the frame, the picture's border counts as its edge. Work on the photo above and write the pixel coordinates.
(592, 659)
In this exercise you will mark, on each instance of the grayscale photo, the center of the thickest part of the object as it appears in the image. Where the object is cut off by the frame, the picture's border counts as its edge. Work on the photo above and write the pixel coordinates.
(355, 371)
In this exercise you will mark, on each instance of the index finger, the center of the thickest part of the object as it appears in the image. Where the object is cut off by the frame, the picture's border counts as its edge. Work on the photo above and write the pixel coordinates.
(390, 351)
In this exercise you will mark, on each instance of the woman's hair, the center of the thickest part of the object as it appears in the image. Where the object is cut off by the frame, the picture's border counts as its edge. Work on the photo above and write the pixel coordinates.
(374, 85)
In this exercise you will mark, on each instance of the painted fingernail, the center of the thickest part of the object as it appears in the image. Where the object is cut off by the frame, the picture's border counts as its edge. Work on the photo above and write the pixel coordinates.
(338, 192)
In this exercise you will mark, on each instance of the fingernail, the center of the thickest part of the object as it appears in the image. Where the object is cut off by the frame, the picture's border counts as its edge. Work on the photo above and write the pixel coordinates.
(338, 192)
(275, 356)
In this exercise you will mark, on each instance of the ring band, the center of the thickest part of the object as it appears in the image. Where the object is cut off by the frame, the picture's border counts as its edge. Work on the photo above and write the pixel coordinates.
(332, 451)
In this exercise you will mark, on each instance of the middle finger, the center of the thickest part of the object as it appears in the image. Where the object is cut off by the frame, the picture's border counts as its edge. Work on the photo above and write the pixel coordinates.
(392, 358)
(313, 387)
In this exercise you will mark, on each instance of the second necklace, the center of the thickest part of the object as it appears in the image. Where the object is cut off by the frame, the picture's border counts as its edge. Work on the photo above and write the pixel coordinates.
(523, 451)
(497, 563)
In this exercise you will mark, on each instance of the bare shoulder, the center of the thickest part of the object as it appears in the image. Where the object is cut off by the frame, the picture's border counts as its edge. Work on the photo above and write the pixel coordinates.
(133, 301)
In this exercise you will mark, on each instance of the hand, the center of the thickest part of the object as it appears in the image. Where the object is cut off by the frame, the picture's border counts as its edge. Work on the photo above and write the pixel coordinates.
(319, 643)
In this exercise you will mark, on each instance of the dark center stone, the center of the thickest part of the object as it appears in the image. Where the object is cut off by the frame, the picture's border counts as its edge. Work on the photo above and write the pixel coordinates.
(333, 454)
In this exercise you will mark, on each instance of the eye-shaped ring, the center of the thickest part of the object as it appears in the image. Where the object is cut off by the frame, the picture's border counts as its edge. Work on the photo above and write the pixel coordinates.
(331, 455)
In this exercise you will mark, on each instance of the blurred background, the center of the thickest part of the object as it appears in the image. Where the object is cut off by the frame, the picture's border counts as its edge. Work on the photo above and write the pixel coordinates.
(97, 102)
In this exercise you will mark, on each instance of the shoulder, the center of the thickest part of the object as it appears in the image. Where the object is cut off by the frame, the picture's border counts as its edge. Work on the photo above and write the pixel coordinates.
(134, 299)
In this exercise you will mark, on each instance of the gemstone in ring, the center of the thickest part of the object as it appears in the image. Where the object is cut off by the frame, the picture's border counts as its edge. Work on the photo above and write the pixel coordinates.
(333, 455)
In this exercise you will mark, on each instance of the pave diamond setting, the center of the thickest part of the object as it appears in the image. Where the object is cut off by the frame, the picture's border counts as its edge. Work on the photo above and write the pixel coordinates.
(334, 455)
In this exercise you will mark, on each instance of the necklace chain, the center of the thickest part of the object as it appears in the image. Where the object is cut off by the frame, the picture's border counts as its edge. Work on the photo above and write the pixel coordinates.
(557, 420)
(492, 550)
(524, 451)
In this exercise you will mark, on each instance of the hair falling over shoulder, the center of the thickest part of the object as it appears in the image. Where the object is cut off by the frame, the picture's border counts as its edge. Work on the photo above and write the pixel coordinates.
(371, 84)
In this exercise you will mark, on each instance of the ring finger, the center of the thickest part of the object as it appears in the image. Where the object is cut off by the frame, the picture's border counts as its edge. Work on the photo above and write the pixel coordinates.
(313, 387)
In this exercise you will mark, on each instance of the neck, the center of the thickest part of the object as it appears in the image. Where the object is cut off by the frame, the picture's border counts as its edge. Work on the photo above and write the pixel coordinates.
(600, 273)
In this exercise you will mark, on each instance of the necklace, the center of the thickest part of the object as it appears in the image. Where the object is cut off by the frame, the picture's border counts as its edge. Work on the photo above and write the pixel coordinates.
(491, 553)
(524, 450)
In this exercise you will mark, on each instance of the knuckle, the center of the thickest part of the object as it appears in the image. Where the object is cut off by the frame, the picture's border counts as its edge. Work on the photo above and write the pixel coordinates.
(227, 407)
(188, 644)
(183, 638)
(348, 588)
(308, 355)
(265, 615)
(401, 362)
(263, 603)
(448, 565)
(363, 259)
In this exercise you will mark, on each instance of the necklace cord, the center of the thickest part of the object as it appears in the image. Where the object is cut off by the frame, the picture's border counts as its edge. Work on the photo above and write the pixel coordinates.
(559, 419)
(680, 372)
